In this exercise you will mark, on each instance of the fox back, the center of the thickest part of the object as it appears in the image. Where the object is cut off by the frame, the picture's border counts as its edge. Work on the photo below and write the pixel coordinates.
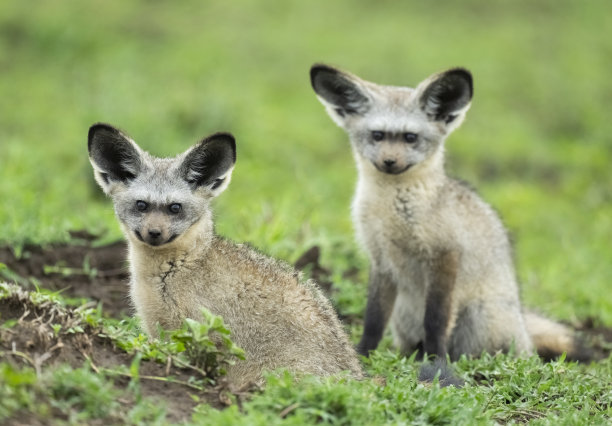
(178, 265)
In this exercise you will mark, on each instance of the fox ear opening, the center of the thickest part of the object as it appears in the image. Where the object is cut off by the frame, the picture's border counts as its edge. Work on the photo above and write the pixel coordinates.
(448, 96)
(114, 157)
(340, 92)
(210, 163)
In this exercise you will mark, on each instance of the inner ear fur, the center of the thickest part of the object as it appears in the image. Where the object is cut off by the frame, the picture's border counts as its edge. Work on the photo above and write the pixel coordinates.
(208, 161)
(114, 155)
(447, 94)
(339, 89)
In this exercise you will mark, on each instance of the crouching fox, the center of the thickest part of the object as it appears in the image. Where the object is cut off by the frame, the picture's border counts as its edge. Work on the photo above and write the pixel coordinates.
(178, 265)
(441, 270)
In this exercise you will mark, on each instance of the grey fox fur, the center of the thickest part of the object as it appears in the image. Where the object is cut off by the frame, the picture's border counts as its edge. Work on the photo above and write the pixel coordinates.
(441, 269)
(178, 265)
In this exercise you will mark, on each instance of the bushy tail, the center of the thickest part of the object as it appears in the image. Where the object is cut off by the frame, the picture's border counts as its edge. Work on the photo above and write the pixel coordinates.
(439, 366)
(551, 339)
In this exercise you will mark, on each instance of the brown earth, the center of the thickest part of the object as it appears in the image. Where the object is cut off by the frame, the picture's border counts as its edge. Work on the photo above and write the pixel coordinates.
(82, 271)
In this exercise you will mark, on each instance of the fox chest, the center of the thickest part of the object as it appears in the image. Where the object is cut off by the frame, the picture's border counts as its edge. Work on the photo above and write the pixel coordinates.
(164, 296)
(395, 231)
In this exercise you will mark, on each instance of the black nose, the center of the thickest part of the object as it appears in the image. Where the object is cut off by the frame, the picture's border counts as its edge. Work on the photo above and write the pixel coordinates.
(154, 233)
(389, 162)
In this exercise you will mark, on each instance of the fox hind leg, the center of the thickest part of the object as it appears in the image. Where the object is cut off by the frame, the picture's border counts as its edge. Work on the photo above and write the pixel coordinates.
(489, 328)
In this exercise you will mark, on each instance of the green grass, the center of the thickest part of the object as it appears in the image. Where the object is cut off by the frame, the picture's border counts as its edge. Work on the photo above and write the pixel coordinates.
(511, 391)
(536, 144)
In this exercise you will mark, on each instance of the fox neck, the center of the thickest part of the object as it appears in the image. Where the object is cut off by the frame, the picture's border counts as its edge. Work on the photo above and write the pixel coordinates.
(191, 245)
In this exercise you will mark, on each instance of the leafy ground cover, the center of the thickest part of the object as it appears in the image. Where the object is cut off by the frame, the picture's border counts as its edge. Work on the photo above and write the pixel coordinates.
(536, 144)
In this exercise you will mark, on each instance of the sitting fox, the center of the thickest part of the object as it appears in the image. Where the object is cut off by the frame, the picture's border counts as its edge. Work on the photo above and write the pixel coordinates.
(178, 265)
(441, 266)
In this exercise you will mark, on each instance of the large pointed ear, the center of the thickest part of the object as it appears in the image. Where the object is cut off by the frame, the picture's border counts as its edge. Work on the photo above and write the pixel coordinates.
(114, 157)
(342, 94)
(210, 163)
(446, 96)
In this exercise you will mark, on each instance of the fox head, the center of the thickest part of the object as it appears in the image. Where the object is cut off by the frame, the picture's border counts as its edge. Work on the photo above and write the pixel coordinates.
(394, 128)
(158, 199)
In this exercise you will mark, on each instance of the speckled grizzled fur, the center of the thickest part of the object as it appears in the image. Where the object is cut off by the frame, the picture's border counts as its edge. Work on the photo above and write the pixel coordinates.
(441, 269)
(178, 265)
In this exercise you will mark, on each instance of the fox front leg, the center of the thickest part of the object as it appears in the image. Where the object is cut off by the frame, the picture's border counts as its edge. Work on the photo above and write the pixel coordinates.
(438, 303)
(382, 292)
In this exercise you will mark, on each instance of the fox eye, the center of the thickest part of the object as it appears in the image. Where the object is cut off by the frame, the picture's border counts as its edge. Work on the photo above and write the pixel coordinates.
(141, 206)
(377, 135)
(411, 137)
(174, 208)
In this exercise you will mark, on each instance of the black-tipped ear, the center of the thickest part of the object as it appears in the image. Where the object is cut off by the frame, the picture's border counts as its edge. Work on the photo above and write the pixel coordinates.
(339, 90)
(114, 156)
(210, 162)
(447, 94)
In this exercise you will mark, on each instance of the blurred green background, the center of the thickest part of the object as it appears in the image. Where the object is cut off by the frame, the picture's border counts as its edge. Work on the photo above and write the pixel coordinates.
(536, 143)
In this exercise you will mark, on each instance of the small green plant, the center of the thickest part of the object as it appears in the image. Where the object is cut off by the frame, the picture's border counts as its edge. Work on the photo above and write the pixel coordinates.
(207, 344)
(15, 390)
(56, 329)
(61, 269)
(81, 394)
(10, 275)
(87, 269)
(203, 346)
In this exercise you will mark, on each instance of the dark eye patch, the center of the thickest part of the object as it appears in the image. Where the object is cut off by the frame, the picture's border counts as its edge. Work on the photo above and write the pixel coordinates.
(175, 208)
(141, 206)
(378, 135)
(411, 137)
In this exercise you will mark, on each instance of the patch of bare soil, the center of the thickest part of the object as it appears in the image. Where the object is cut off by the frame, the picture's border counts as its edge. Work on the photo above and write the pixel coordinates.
(97, 273)
(33, 341)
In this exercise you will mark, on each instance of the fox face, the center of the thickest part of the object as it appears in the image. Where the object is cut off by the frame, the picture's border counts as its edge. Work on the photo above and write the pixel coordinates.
(394, 128)
(158, 199)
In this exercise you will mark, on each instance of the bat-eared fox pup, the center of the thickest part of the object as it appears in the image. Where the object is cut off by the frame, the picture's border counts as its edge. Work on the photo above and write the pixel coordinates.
(178, 265)
(441, 269)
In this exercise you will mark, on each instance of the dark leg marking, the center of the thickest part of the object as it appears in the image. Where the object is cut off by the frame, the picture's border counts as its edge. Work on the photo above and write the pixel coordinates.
(381, 297)
(439, 301)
